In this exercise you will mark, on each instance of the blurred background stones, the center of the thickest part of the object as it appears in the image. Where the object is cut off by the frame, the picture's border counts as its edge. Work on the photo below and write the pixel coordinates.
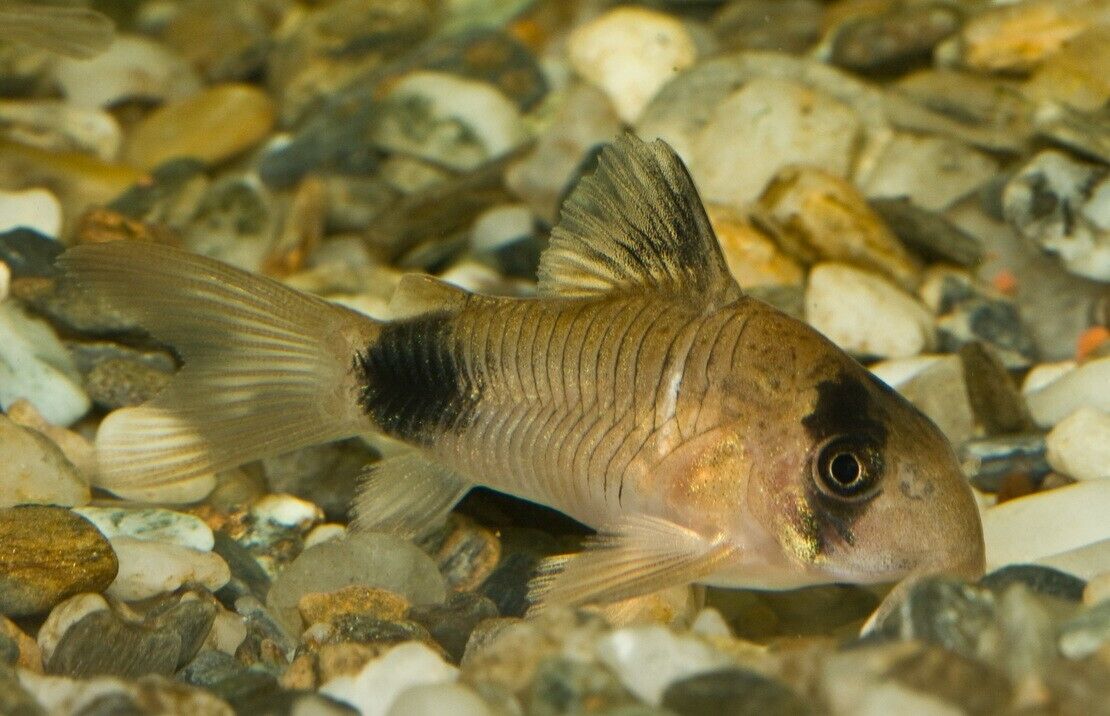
(927, 182)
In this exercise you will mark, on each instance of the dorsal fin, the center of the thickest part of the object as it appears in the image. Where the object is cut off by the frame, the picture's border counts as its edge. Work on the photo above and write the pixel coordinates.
(418, 293)
(635, 224)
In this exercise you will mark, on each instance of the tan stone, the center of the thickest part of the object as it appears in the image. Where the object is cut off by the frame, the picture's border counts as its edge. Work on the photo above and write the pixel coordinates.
(48, 554)
(753, 257)
(326, 606)
(1018, 37)
(30, 656)
(211, 126)
(822, 217)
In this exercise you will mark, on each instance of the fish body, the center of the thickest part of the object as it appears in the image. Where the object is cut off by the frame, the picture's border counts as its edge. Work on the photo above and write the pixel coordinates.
(706, 435)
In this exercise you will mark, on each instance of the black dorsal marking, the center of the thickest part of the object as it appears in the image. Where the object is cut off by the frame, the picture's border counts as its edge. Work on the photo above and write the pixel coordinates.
(414, 386)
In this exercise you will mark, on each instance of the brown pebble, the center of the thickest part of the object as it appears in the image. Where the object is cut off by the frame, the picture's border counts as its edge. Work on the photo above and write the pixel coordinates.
(1015, 485)
(30, 656)
(383, 604)
(48, 554)
(301, 674)
(344, 659)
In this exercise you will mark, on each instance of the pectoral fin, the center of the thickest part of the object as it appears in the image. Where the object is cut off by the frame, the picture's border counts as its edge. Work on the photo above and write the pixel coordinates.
(635, 556)
(406, 495)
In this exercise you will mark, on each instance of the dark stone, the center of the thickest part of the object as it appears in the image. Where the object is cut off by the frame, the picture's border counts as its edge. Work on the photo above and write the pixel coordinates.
(292, 703)
(365, 629)
(243, 687)
(451, 623)
(990, 462)
(778, 25)
(266, 642)
(28, 253)
(112, 705)
(1042, 580)
(733, 692)
(996, 402)
(939, 610)
(563, 686)
(191, 620)
(247, 575)
(896, 40)
(101, 644)
(928, 234)
(210, 667)
(9, 650)
(507, 587)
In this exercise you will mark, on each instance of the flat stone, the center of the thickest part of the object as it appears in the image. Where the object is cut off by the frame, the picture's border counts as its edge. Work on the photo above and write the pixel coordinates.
(865, 314)
(34, 209)
(34, 365)
(50, 554)
(1045, 524)
(153, 524)
(822, 217)
(1079, 445)
(211, 126)
(1083, 387)
(102, 644)
(147, 569)
(736, 692)
(934, 172)
(33, 470)
(782, 123)
(356, 599)
(369, 559)
(63, 616)
(631, 52)
(928, 234)
(995, 400)
(133, 68)
(375, 688)
(1039, 579)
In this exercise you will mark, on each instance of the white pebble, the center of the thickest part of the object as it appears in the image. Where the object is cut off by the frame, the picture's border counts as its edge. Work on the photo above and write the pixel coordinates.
(324, 533)
(35, 365)
(709, 622)
(63, 616)
(147, 569)
(437, 699)
(35, 209)
(286, 511)
(1086, 386)
(865, 314)
(374, 689)
(152, 524)
(648, 659)
(630, 53)
(1046, 524)
(1042, 374)
(501, 225)
(1079, 445)
(228, 632)
(132, 68)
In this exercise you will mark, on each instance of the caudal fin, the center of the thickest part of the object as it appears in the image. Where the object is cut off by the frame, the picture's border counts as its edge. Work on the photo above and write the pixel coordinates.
(266, 369)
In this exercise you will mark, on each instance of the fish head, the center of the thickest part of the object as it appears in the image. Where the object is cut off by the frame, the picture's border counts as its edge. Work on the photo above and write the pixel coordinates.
(861, 486)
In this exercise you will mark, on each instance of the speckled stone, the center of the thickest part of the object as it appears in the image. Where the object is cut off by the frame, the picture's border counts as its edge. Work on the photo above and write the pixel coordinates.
(48, 554)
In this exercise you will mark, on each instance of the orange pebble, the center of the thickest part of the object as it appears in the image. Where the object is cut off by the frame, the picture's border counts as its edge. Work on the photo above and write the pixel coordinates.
(1005, 282)
(1089, 340)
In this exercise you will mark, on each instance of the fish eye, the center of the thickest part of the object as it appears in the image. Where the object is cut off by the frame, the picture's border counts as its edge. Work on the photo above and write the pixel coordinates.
(847, 467)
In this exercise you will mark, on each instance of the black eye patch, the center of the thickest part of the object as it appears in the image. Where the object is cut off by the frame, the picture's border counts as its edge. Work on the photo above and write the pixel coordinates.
(845, 405)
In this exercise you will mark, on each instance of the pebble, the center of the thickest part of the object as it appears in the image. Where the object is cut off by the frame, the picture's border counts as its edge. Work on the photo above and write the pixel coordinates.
(371, 560)
(212, 126)
(583, 120)
(1038, 579)
(152, 524)
(895, 39)
(150, 694)
(928, 234)
(147, 569)
(864, 314)
(753, 257)
(733, 691)
(942, 611)
(991, 462)
(450, 120)
(63, 616)
(1029, 529)
(59, 127)
(1076, 74)
(935, 385)
(1083, 387)
(1042, 374)
(377, 686)
(49, 554)
(34, 365)
(234, 220)
(133, 68)
(562, 685)
(452, 622)
(33, 470)
(22, 651)
(77, 448)
(1086, 633)
(466, 552)
(823, 217)
(1079, 445)
(34, 209)
(1060, 204)
(324, 533)
(317, 607)
(1097, 589)
(934, 172)
(436, 699)
(778, 25)
(630, 52)
(648, 659)
(1017, 37)
(995, 400)
(782, 123)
